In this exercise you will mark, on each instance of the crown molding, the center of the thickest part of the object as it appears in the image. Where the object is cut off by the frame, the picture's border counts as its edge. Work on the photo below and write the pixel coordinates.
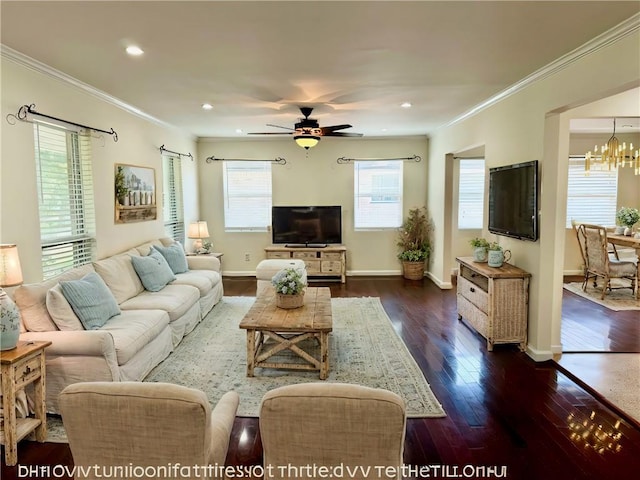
(37, 66)
(611, 36)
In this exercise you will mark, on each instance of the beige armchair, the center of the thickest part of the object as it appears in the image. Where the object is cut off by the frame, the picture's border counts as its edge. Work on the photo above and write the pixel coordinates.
(329, 424)
(139, 424)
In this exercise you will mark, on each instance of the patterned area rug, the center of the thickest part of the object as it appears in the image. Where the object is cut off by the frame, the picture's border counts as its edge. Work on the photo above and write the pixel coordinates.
(617, 299)
(364, 349)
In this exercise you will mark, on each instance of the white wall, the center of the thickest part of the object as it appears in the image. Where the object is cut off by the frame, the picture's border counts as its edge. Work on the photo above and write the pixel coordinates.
(313, 179)
(138, 144)
(524, 127)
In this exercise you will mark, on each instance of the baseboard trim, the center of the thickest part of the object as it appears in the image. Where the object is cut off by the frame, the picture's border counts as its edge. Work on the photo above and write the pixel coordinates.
(539, 355)
(373, 273)
(440, 283)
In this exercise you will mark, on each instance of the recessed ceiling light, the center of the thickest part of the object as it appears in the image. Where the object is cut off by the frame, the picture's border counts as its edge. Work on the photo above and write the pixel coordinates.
(238, 130)
(134, 50)
(383, 129)
(405, 105)
(207, 106)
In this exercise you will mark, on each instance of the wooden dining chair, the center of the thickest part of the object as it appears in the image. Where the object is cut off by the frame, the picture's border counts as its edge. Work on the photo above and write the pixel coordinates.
(611, 249)
(599, 263)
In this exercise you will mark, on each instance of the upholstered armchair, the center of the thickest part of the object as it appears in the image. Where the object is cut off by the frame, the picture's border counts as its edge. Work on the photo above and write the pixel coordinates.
(599, 263)
(329, 424)
(139, 424)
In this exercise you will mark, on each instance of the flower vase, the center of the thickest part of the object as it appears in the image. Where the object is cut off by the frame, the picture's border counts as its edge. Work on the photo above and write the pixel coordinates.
(289, 301)
(480, 254)
(627, 231)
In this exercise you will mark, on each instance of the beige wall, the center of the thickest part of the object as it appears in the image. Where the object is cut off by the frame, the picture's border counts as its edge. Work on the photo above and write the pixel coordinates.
(313, 179)
(524, 127)
(138, 144)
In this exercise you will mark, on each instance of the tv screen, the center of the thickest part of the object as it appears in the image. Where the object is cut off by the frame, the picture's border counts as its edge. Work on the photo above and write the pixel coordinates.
(513, 200)
(306, 225)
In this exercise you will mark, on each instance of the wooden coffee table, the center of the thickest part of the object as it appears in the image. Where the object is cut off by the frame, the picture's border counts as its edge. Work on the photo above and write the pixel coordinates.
(287, 328)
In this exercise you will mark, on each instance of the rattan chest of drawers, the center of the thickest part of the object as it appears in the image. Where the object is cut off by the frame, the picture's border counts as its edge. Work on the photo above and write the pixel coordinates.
(494, 301)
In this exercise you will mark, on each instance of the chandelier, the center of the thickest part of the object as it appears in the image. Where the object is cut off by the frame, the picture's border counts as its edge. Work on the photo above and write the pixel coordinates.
(612, 155)
(590, 433)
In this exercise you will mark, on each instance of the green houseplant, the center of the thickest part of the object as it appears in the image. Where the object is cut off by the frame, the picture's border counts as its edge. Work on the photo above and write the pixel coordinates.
(627, 217)
(414, 243)
(480, 247)
(120, 188)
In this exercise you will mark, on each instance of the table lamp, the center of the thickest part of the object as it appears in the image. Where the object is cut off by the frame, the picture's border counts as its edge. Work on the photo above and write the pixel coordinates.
(198, 231)
(10, 276)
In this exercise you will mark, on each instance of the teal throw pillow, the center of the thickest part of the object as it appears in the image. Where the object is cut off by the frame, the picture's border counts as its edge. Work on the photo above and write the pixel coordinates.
(153, 270)
(175, 257)
(91, 300)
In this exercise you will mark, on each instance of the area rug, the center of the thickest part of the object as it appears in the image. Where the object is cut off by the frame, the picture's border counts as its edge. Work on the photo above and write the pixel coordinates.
(617, 299)
(364, 349)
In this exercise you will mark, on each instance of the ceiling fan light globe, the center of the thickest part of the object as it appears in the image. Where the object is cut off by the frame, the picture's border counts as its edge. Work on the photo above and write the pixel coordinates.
(306, 141)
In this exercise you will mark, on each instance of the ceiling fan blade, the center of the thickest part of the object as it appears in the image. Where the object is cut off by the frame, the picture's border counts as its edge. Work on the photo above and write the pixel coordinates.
(342, 134)
(270, 133)
(333, 128)
(278, 126)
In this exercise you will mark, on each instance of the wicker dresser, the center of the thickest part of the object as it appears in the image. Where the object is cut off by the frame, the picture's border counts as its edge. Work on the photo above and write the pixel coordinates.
(494, 301)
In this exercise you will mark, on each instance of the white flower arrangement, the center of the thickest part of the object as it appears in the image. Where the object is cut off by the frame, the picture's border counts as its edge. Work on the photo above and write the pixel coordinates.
(288, 281)
(628, 216)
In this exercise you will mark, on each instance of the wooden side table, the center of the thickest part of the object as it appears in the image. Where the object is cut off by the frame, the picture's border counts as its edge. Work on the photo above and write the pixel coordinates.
(22, 366)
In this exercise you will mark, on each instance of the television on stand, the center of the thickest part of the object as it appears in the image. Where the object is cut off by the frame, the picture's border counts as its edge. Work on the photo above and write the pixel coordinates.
(513, 200)
(306, 226)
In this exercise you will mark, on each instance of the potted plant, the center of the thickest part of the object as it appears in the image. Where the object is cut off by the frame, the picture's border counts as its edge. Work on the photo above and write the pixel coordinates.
(289, 288)
(414, 243)
(496, 256)
(121, 190)
(480, 247)
(627, 217)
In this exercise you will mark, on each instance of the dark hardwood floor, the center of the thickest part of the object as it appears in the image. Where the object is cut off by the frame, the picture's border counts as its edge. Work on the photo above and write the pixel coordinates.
(502, 408)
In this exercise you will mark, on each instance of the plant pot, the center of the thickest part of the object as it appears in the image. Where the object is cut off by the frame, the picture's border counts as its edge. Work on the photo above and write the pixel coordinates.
(413, 270)
(497, 257)
(627, 231)
(289, 301)
(619, 231)
(480, 254)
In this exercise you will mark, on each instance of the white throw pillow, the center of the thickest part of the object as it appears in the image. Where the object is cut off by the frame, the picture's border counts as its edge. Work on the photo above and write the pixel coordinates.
(60, 310)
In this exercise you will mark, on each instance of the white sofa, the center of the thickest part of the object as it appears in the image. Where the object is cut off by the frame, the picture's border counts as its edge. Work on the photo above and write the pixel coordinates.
(129, 345)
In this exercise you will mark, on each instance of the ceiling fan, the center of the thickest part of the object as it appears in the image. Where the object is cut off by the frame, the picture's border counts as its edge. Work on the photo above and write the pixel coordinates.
(308, 132)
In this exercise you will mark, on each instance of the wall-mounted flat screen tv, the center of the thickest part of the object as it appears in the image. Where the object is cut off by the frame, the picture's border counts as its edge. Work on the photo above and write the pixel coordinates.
(513, 200)
(306, 225)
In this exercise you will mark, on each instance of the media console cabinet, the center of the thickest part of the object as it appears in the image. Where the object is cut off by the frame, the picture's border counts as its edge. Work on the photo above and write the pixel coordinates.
(324, 262)
(494, 301)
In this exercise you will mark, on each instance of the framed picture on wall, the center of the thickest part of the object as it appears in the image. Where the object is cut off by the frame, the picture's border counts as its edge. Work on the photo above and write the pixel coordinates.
(135, 193)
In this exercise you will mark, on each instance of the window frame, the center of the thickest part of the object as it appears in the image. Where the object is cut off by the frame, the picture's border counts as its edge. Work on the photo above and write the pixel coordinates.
(478, 196)
(173, 198)
(257, 205)
(365, 187)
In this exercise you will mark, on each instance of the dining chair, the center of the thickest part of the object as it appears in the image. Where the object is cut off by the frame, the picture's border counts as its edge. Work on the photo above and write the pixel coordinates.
(600, 264)
(611, 249)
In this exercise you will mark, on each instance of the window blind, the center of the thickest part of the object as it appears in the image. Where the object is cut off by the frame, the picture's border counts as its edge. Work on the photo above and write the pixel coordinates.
(247, 196)
(65, 199)
(471, 193)
(591, 198)
(172, 198)
(377, 194)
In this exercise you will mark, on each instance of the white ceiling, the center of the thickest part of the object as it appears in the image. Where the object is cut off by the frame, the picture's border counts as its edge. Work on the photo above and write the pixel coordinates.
(256, 62)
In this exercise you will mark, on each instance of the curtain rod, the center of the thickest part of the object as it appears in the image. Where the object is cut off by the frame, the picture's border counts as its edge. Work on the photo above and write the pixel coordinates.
(344, 160)
(30, 110)
(278, 160)
(162, 150)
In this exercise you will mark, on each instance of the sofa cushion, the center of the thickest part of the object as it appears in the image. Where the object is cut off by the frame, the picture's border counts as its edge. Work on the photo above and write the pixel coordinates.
(91, 300)
(145, 248)
(31, 299)
(175, 257)
(60, 310)
(133, 329)
(153, 270)
(119, 275)
(203, 280)
(176, 300)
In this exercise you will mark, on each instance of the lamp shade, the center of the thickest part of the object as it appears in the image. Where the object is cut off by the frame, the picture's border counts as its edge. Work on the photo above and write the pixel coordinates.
(198, 230)
(10, 271)
(306, 141)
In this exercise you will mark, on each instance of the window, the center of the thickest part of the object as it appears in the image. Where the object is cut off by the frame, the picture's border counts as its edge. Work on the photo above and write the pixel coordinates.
(247, 196)
(471, 193)
(65, 199)
(172, 204)
(378, 194)
(591, 198)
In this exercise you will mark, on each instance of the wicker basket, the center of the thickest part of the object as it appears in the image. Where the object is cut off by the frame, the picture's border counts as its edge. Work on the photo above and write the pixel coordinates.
(289, 301)
(413, 270)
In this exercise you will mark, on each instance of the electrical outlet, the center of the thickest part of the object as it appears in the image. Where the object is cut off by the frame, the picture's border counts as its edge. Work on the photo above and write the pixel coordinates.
(247, 257)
